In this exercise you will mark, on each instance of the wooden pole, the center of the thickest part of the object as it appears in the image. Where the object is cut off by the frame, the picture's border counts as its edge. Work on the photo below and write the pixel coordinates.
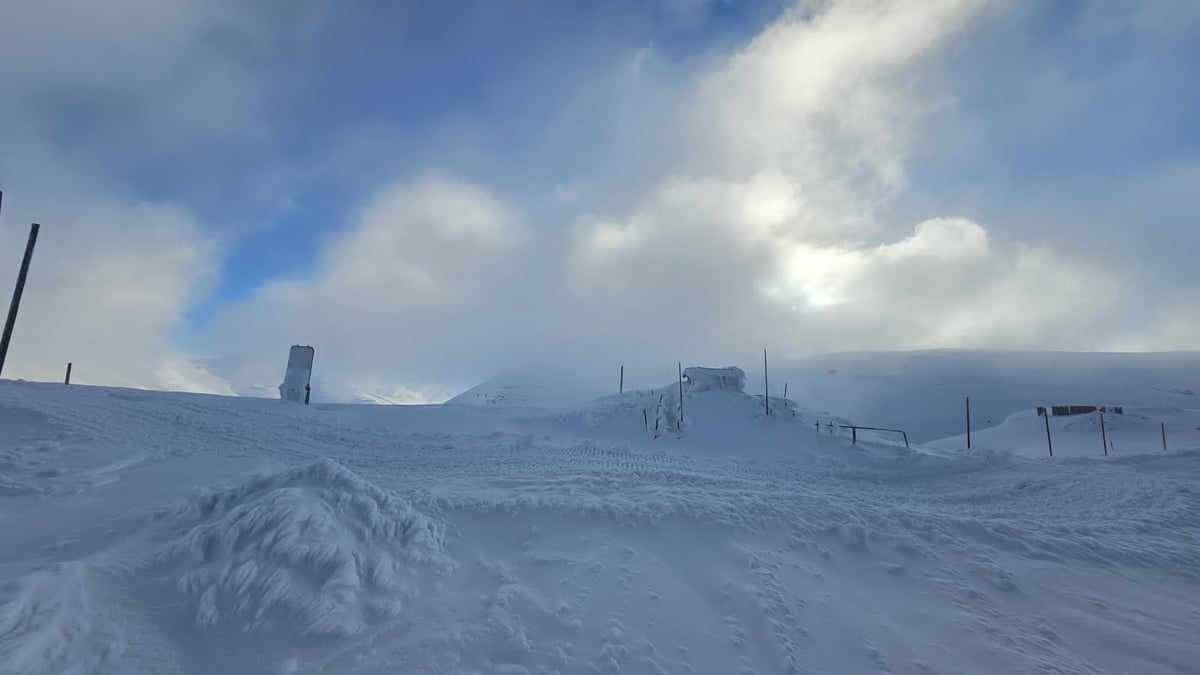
(621, 387)
(68, 380)
(680, 424)
(16, 299)
(766, 388)
(968, 422)
(1164, 434)
(1049, 443)
(1103, 435)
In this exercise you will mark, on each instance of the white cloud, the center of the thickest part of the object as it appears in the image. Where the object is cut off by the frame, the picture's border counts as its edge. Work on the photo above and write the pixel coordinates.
(761, 229)
(417, 273)
(107, 290)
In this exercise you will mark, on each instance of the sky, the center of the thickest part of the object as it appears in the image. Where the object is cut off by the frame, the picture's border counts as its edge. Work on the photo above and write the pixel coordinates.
(434, 193)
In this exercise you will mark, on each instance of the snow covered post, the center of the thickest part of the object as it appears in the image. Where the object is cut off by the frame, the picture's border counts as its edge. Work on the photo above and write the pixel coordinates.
(68, 380)
(679, 425)
(16, 299)
(1103, 435)
(295, 385)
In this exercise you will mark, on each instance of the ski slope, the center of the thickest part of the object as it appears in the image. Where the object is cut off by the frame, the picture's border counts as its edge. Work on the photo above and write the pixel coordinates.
(148, 532)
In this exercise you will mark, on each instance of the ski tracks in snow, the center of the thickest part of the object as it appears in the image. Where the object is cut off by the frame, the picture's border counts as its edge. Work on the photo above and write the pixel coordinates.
(553, 553)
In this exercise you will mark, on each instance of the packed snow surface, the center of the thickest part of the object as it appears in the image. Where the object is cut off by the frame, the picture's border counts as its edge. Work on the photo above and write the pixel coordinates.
(170, 533)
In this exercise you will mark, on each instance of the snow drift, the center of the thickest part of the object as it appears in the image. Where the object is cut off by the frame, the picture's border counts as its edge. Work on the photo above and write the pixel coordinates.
(317, 544)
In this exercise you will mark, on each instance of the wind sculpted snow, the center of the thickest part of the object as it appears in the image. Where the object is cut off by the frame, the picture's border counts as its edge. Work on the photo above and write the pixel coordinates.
(169, 533)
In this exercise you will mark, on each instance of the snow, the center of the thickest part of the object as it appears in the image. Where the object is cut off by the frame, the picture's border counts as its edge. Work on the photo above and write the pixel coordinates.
(530, 387)
(924, 391)
(150, 532)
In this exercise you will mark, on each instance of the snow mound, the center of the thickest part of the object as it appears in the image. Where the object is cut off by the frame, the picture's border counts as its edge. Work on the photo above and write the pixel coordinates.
(536, 388)
(317, 544)
(700, 379)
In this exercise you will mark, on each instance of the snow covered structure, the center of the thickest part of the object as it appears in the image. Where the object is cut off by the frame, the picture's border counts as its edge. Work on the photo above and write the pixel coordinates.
(295, 385)
(697, 378)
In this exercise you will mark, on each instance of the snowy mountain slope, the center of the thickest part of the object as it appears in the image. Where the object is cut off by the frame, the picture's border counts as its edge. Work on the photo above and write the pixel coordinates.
(1136, 431)
(531, 387)
(169, 533)
(924, 392)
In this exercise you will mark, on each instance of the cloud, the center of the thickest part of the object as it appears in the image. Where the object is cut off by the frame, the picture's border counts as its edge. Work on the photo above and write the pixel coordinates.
(97, 97)
(413, 276)
(760, 229)
(107, 290)
(692, 207)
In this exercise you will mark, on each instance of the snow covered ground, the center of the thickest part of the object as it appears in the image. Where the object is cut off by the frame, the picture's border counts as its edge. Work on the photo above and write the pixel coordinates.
(147, 532)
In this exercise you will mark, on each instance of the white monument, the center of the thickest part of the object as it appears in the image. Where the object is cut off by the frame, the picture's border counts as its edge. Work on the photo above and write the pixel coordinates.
(299, 370)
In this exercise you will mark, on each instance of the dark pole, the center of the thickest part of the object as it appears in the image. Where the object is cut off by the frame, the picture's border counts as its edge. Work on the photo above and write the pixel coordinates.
(968, 422)
(621, 387)
(680, 425)
(1164, 432)
(766, 389)
(1049, 443)
(16, 299)
(68, 380)
(1103, 435)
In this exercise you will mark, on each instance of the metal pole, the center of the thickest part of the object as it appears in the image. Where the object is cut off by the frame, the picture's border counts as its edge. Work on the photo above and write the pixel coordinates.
(1049, 443)
(68, 380)
(621, 389)
(16, 299)
(1103, 435)
(1164, 432)
(968, 422)
(766, 388)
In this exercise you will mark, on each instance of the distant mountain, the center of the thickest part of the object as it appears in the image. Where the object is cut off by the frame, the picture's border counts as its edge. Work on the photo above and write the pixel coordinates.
(533, 387)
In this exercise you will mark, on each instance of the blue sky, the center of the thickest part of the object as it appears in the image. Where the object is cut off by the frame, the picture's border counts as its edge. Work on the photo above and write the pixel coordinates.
(491, 181)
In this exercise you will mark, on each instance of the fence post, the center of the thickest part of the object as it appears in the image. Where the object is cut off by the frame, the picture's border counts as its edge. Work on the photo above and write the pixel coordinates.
(968, 422)
(679, 425)
(1164, 434)
(16, 299)
(1103, 435)
(854, 435)
(766, 388)
(621, 387)
(68, 380)
(1049, 443)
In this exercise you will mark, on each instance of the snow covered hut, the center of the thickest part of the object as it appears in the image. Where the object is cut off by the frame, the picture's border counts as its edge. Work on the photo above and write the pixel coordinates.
(710, 379)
